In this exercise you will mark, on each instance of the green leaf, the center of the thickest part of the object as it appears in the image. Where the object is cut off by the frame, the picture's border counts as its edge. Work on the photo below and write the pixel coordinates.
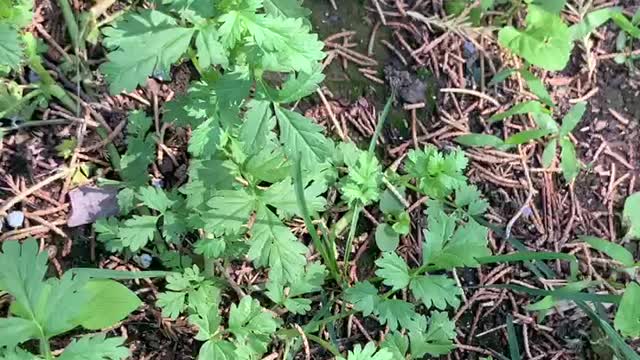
(569, 160)
(613, 250)
(109, 302)
(364, 297)
(126, 198)
(300, 136)
(171, 303)
(537, 87)
(387, 239)
(549, 153)
(397, 343)
(389, 202)
(136, 232)
(18, 354)
(95, 347)
(14, 331)
(286, 8)
(257, 127)
(479, 140)
(590, 23)
(300, 86)
(369, 352)
(502, 76)
(621, 20)
(273, 245)
(553, 6)
(140, 150)
(154, 198)
(217, 350)
(230, 210)
(108, 230)
(282, 196)
(448, 246)
(528, 107)
(627, 319)
(394, 312)
(249, 318)
(545, 121)
(129, 64)
(438, 174)
(631, 216)
(209, 49)
(11, 52)
(437, 339)
(393, 270)
(524, 137)
(470, 197)
(362, 185)
(436, 290)
(545, 42)
(572, 118)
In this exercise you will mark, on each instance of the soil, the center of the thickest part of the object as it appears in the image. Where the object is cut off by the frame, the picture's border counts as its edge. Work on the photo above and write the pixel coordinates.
(369, 60)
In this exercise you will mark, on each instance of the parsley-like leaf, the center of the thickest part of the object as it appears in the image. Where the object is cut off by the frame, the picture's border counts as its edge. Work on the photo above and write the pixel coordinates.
(437, 174)
(362, 185)
(436, 290)
(369, 352)
(437, 339)
(364, 297)
(136, 232)
(230, 210)
(394, 312)
(393, 270)
(154, 198)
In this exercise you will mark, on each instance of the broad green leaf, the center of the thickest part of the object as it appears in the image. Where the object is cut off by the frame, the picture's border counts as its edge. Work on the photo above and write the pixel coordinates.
(549, 153)
(136, 232)
(529, 107)
(11, 52)
(230, 210)
(524, 137)
(217, 350)
(613, 250)
(209, 49)
(18, 354)
(389, 203)
(364, 297)
(545, 42)
(537, 87)
(109, 302)
(14, 331)
(273, 245)
(545, 121)
(393, 270)
(394, 312)
(437, 339)
(282, 196)
(257, 127)
(627, 319)
(387, 239)
(269, 164)
(572, 118)
(479, 140)
(286, 8)
(590, 23)
(130, 63)
(569, 160)
(397, 343)
(96, 347)
(299, 86)
(436, 290)
(369, 352)
(621, 20)
(154, 198)
(300, 136)
(553, 6)
(631, 216)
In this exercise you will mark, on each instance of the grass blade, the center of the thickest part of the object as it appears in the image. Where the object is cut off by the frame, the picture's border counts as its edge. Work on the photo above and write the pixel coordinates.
(118, 274)
(383, 117)
(514, 349)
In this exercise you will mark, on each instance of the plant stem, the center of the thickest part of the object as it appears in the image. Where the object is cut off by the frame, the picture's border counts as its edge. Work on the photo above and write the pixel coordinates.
(352, 234)
(72, 25)
(379, 125)
(327, 346)
(45, 349)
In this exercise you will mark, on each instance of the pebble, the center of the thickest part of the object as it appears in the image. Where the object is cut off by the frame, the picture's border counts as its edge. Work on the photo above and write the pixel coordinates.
(15, 219)
(144, 260)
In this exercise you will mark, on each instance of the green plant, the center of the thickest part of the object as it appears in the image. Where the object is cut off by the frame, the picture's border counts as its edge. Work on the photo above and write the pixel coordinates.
(557, 135)
(42, 309)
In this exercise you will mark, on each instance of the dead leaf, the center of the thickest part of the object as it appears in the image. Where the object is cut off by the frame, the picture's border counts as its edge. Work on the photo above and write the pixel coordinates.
(89, 204)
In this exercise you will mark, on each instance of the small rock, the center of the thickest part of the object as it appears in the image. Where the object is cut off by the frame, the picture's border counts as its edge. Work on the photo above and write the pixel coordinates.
(144, 260)
(89, 204)
(15, 219)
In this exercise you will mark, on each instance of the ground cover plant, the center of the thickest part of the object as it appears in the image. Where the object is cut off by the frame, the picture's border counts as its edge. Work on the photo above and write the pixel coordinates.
(237, 207)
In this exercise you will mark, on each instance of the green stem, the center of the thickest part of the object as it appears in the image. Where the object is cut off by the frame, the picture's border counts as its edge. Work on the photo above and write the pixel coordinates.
(352, 234)
(45, 349)
(330, 348)
(379, 125)
(72, 25)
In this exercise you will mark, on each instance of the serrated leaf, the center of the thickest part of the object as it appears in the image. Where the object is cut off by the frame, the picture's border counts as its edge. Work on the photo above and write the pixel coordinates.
(369, 352)
(393, 270)
(129, 64)
(300, 136)
(572, 118)
(470, 197)
(171, 303)
(136, 232)
(631, 216)
(11, 51)
(217, 350)
(269, 164)
(108, 233)
(108, 302)
(362, 185)
(569, 160)
(154, 198)
(394, 312)
(273, 245)
(437, 339)
(627, 319)
(95, 347)
(209, 49)
(387, 239)
(301, 85)
(436, 290)
(230, 210)
(438, 174)
(282, 196)
(286, 8)
(256, 129)
(248, 317)
(364, 297)
(397, 343)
